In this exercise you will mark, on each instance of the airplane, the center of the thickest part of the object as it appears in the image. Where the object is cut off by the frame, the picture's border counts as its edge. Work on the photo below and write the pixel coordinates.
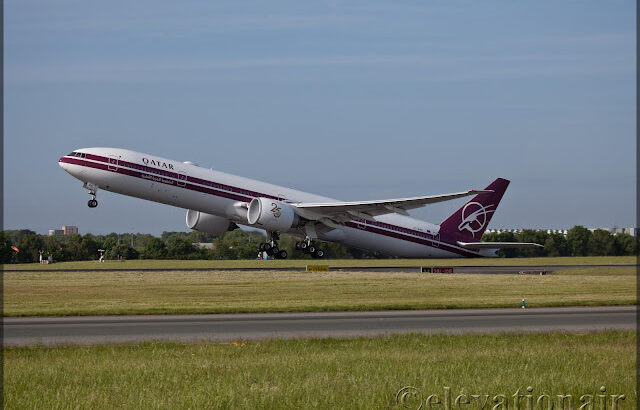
(217, 202)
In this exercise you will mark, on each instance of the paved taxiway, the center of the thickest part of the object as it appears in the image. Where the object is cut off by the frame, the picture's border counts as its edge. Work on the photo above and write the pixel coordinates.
(255, 326)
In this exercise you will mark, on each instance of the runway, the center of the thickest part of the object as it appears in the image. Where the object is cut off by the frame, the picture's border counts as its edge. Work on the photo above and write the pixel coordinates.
(479, 269)
(87, 330)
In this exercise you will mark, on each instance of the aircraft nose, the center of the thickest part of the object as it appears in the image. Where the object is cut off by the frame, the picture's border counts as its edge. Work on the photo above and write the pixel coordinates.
(64, 163)
(73, 164)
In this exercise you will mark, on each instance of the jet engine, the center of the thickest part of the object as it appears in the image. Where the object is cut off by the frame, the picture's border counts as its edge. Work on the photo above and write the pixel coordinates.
(272, 215)
(208, 223)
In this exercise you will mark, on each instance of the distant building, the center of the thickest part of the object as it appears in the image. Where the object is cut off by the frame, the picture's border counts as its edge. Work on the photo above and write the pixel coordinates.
(69, 230)
(205, 245)
(64, 230)
(614, 231)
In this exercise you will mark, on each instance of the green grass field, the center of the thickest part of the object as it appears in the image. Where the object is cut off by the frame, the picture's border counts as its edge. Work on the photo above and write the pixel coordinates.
(96, 293)
(609, 271)
(221, 264)
(359, 373)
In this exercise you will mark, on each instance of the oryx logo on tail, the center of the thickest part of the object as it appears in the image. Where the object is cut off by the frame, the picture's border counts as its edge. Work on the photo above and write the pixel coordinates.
(474, 217)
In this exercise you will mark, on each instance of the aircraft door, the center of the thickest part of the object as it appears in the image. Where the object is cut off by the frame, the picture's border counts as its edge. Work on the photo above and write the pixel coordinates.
(113, 163)
(182, 178)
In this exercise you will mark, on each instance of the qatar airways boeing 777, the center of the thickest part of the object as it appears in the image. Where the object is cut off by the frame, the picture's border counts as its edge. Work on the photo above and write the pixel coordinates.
(217, 202)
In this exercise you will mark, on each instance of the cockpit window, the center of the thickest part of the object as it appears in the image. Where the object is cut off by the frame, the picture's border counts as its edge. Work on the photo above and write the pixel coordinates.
(77, 154)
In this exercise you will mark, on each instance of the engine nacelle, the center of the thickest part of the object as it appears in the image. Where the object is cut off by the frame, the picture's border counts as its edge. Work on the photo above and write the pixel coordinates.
(208, 223)
(271, 214)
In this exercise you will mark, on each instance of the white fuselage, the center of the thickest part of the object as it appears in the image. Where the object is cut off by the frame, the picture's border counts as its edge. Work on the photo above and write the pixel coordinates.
(189, 186)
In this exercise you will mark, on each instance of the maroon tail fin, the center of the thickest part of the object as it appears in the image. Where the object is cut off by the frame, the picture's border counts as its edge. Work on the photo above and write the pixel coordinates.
(472, 219)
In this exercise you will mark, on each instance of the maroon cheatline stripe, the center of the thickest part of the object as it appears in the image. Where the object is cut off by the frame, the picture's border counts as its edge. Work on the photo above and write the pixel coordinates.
(159, 179)
(398, 235)
(175, 175)
(83, 163)
(369, 226)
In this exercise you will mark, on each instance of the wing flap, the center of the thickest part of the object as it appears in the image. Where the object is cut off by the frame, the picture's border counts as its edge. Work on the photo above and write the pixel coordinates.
(344, 211)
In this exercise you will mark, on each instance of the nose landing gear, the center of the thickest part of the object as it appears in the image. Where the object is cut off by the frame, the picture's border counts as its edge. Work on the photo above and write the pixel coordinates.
(92, 191)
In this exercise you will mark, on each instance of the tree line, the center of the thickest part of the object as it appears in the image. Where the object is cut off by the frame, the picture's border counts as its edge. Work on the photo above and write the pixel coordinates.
(579, 241)
(239, 244)
(236, 244)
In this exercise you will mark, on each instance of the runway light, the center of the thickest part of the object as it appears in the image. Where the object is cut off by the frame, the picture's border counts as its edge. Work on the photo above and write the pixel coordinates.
(523, 303)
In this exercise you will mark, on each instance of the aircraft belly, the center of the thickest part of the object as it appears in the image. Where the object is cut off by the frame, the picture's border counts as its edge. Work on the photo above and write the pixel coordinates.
(391, 246)
(181, 197)
(159, 192)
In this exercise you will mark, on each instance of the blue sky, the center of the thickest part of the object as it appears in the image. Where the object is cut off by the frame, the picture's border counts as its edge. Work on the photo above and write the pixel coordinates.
(353, 100)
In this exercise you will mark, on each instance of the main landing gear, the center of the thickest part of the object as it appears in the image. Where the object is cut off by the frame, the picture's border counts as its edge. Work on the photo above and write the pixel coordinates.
(309, 247)
(92, 191)
(271, 247)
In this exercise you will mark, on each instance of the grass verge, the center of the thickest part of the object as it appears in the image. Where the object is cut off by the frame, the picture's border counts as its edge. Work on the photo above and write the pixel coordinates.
(288, 263)
(597, 271)
(361, 373)
(100, 293)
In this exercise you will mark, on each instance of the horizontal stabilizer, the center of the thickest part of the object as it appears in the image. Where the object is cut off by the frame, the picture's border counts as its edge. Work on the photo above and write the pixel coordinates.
(498, 245)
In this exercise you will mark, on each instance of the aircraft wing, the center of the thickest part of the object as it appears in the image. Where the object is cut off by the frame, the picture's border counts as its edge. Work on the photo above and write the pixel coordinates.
(498, 245)
(346, 211)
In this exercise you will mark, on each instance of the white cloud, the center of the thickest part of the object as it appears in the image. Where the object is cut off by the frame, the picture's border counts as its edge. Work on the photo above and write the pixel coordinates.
(421, 68)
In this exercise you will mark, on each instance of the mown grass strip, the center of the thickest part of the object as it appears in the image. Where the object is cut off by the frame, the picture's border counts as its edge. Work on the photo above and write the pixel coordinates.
(361, 373)
(105, 293)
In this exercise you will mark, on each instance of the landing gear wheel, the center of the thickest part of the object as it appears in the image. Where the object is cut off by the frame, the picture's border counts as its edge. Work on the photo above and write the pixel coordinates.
(319, 253)
(312, 249)
(297, 246)
(271, 246)
(92, 203)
